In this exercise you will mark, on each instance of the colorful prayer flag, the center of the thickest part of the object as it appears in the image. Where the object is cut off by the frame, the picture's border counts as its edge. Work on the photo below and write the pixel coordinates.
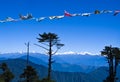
(67, 14)
(56, 17)
(40, 19)
(116, 12)
(9, 19)
(85, 14)
(76, 14)
(106, 11)
(28, 16)
(59, 17)
(52, 17)
(97, 12)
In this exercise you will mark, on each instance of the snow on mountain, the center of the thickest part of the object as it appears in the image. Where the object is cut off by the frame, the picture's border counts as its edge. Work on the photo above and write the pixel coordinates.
(67, 57)
(76, 53)
(88, 60)
(66, 53)
(69, 61)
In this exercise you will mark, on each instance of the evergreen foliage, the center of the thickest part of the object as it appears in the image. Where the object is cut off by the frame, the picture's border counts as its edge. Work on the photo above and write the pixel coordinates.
(113, 56)
(6, 75)
(47, 80)
(50, 40)
(29, 75)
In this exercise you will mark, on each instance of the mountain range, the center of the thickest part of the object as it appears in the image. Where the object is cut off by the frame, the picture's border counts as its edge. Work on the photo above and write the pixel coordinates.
(18, 65)
(64, 62)
(66, 68)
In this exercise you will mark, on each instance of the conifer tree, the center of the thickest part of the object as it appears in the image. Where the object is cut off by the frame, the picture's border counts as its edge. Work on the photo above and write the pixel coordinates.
(29, 75)
(113, 56)
(50, 40)
(6, 75)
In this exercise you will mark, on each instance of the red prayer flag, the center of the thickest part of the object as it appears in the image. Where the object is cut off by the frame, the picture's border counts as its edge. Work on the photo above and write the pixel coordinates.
(67, 13)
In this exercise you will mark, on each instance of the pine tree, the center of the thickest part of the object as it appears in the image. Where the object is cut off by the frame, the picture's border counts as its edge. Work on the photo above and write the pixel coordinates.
(113, 56)
(29, 75)
(1, 80)
(50, 40)
(7, 75)
(47, 80)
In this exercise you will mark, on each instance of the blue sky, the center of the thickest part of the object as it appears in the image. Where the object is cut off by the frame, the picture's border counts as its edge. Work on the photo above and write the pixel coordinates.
(79, 34)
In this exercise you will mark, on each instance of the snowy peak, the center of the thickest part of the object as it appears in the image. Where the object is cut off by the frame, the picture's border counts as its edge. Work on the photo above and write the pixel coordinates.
(75, 53)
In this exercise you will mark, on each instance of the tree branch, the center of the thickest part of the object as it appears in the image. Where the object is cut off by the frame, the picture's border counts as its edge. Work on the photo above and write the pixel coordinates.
(42, 47)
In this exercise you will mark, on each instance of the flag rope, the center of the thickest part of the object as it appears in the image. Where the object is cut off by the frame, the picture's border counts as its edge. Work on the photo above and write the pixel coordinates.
(66, 14)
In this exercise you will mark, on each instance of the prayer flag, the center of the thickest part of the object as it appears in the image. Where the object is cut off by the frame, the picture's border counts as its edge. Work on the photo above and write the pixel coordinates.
(52, 17)
(40, 19)
(97, 12)
(28, 16)
(59, 17)
(76, 14)
(9, 19)
(67, 14)
(106, 11)
(85, 14)
(116, 12)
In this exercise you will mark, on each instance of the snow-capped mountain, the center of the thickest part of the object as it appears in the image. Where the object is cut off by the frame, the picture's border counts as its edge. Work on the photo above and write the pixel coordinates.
(74, 53)
(72, 62)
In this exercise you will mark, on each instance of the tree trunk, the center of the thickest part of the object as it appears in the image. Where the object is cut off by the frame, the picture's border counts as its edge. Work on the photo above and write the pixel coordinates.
(111, 68)
(49, 60)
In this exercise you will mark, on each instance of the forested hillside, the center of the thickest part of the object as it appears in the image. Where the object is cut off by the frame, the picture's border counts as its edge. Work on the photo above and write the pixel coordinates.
(17, 66)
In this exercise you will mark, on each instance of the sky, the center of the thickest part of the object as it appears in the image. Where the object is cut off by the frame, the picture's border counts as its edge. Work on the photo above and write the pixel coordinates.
(79, 34)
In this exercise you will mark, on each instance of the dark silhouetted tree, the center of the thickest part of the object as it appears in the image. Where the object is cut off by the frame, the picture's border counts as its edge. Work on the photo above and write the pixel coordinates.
(47, 80)
(29, 75)
(113, 56)
(1, 80)
(50, 40)
(6, 75)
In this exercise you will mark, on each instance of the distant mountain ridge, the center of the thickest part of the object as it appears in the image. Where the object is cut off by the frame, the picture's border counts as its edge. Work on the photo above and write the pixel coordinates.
(17, 66)
(64, 63)
(98, 75)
